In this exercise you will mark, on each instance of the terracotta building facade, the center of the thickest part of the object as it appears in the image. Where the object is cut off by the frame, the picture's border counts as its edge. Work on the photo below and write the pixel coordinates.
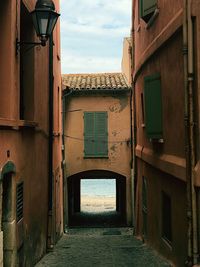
(166, 98)
(97, 137)
(30, 206)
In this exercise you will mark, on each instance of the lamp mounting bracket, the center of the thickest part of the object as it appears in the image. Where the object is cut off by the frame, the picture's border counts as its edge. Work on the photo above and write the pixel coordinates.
(24, 43)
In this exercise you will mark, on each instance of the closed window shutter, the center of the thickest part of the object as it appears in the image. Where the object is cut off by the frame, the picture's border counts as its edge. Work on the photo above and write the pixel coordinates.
(89, 133)
(19, 201)
(153, 107)
(101, 134)
(147, 8)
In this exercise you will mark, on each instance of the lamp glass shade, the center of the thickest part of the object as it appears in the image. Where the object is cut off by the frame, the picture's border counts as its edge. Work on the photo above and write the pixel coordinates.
(52, 22)
(44, 21)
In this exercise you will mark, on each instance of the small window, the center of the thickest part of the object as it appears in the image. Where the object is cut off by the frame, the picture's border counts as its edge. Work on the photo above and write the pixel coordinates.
(147, 8)
(153, 107)
(95, 134)
(19, 201)
(166, 218)
(142, 109)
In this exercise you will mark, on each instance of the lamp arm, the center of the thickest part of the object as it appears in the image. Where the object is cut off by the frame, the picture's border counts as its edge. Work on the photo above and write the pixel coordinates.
(20, 43)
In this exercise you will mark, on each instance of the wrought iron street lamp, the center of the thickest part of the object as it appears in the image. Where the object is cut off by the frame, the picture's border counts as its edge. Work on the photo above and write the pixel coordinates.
(44, 20)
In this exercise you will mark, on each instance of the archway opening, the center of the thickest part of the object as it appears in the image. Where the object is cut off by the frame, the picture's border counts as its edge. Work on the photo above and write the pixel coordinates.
(7, 220)
(98, 195)
(96, 198)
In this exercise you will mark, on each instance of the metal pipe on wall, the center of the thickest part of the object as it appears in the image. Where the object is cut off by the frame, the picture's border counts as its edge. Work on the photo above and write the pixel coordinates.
(189, 133)
(191, 128)
(132, 133)
(50, 241)
(186, 121)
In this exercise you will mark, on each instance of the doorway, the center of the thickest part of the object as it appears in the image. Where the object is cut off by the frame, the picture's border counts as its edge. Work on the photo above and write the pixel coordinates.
(8, 222)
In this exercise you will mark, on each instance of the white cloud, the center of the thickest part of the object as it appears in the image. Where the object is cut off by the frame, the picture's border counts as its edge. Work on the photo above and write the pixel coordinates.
(96, 64)
(87, 25)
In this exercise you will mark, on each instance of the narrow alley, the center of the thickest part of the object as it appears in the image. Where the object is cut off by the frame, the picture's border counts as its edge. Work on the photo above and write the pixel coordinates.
(101, 247)
(100, 133)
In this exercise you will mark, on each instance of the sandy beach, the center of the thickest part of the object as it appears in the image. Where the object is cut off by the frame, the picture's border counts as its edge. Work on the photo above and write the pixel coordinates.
(97, 204)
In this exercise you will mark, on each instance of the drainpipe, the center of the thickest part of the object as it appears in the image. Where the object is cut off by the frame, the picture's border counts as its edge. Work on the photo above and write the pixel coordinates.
(133, 121)
(50, 184)
(132, 158)
(189, 134)
(63, 160)
(132, 136)
(65, 188)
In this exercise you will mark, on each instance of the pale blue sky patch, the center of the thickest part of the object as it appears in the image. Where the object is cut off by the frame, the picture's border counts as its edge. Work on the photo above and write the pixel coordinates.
(92, 33)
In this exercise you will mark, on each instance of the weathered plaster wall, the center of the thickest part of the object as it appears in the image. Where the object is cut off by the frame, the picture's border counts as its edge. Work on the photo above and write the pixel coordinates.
(169, 156)
(118, 137)
(170, 15)
(126, 59)
(158, 49)
(25, 143)
(158, 182)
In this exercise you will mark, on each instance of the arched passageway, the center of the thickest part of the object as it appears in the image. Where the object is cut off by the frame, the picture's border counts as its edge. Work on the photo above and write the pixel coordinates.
(8, 218)
(78, 218)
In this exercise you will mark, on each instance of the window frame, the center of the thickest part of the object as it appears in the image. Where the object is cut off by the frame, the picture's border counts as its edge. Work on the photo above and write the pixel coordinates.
(146, 15)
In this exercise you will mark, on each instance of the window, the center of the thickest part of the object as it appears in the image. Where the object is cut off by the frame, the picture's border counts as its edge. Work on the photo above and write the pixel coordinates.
(166, 218)
(147, 8)
(153, 107)
(19, 201)
(142, 108)
(144, 206)
(95, 134)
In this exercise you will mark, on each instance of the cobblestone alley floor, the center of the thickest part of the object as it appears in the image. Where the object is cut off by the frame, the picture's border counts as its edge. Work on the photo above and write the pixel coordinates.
(101, 247)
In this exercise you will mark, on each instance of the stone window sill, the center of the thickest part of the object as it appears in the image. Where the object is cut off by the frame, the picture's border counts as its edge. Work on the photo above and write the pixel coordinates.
(15, 124)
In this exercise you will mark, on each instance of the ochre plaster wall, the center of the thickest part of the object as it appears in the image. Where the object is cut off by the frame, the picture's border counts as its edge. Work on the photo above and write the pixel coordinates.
(158, 49)
(157, 183)
(118, 160)
(25, 143)
(126, 59)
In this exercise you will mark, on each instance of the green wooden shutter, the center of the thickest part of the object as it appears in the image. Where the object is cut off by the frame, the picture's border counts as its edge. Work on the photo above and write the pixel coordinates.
(146, 8)
(149, 6)
(89, 134)
(101, 134)
(153, 107)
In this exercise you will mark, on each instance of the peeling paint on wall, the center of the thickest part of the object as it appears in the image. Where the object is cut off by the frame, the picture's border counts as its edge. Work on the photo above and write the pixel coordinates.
(113, 148)
(121, 105)
(115, 133)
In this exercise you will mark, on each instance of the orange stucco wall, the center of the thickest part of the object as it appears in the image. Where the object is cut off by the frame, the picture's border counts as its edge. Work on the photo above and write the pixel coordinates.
(126, 59)
(158, 49)
(23, 142)
(118, 160)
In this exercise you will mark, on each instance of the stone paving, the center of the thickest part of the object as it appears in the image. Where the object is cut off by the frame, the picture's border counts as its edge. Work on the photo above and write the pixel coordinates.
(101, 247)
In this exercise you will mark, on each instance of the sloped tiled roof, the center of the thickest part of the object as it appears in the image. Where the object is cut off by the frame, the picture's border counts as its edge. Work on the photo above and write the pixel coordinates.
(104, 81)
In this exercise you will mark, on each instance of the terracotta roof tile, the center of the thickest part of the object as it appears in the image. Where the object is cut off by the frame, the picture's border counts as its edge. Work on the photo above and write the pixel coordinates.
(94, 81)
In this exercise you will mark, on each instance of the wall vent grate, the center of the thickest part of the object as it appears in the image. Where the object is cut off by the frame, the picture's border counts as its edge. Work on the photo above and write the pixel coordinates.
(19, 201)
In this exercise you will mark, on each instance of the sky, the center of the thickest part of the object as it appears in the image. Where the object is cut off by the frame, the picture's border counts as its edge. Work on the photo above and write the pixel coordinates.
(92, 33)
